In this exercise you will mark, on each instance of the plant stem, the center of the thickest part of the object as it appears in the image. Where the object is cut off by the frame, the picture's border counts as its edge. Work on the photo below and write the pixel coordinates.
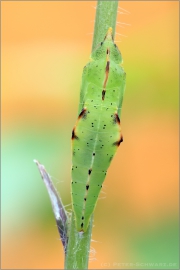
(106, 14)
(77, 256)
(78, 248)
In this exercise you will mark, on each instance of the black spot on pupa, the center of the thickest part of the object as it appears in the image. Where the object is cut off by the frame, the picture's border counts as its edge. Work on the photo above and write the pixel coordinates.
(74, 137)
(83, 114)
(71, 182)
(116, 119)
(118, 142)
(82, 218)
(87, 187)
(103, 94)
(82, 224)
(85, 199)
(93, 154)
(89, 172)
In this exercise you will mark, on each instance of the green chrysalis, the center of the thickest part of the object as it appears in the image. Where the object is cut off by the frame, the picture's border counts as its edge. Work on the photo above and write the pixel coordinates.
(97, 132)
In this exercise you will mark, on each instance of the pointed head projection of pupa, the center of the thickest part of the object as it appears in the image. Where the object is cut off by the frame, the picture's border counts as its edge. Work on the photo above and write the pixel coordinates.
(107, 49)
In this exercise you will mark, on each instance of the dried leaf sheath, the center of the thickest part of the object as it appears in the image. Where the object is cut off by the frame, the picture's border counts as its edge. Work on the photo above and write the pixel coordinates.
(58, 208)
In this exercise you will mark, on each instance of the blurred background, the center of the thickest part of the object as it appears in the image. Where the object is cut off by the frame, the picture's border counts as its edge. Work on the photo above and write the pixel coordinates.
(45, 46)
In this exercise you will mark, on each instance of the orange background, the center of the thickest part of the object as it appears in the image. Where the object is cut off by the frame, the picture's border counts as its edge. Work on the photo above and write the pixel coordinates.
(44, 48)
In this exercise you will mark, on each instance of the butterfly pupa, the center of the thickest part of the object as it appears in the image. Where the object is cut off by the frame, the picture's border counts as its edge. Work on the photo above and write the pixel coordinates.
(97, 134)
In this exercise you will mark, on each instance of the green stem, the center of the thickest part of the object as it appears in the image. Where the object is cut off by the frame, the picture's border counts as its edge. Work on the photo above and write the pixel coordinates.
(77, 256)
(106, 14)
(77, 253)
